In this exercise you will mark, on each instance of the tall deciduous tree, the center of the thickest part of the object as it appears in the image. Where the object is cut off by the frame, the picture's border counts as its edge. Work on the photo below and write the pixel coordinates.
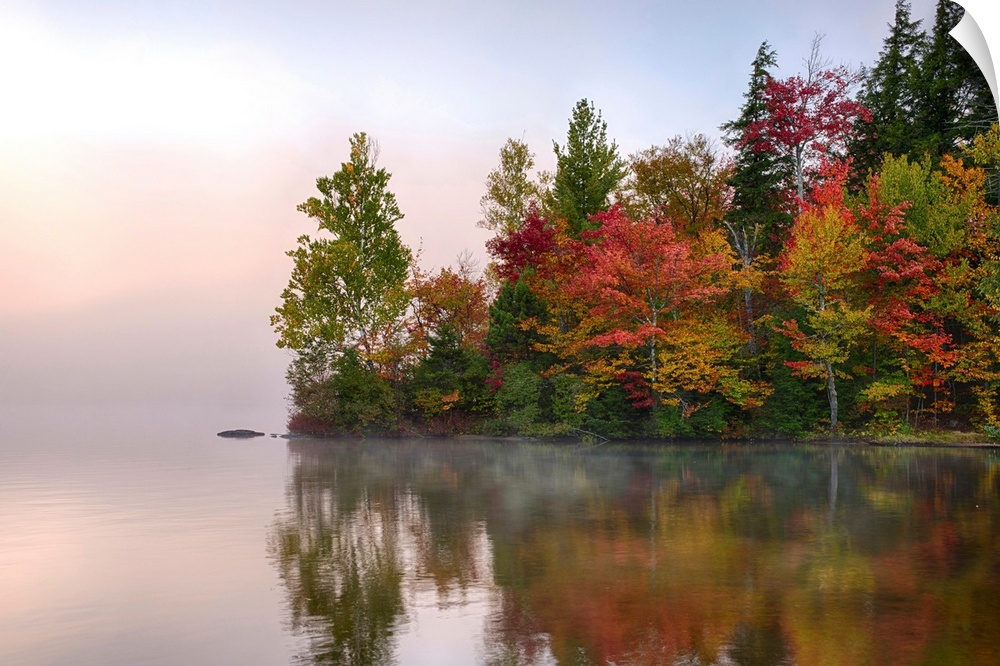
(509, 189)
(809, 118)
(588, 168)
(683, 181)
(647, 295)
(348, 284)
(820, 269)
(453, 298)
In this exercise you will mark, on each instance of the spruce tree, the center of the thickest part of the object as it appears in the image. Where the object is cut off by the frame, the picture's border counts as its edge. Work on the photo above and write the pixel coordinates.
(889, 93)
(757, 217)
(954, 100)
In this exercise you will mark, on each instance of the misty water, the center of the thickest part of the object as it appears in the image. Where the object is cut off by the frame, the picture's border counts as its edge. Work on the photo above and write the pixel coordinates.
(169, 545)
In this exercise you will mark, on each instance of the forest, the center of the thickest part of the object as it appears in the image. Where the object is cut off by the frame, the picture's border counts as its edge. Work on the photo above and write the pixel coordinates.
(832, 267)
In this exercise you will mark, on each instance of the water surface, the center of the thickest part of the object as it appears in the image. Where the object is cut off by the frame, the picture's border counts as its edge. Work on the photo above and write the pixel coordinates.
(173, 546)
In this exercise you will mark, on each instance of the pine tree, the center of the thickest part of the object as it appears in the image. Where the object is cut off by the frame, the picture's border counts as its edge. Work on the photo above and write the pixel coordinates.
(889, 93)
(588, 168)
(758, 207)
(954, 100)
(757, 218)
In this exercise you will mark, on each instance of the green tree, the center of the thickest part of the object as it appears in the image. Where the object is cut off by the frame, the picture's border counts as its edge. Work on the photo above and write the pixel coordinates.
(451, 381)
(757, 215)
(889, 92)
(348, 285)
(588, 168)
(955, 102)
(509, 189)
(936, 217)
(507, 339)
(759, 208)
(338, 395)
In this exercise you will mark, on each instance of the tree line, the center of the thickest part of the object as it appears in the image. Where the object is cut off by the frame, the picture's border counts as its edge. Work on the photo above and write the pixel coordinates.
(834, 266)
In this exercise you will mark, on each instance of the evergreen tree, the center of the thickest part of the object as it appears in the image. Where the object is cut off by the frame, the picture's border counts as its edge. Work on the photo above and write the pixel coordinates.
(758, 208)
(889, 93)
(954, 100)
(451, 380)
(506, 339)
(588, 168)
(756, 220)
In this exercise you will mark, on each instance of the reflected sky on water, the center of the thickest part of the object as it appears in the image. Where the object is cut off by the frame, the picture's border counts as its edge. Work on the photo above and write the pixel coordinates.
(168, 545)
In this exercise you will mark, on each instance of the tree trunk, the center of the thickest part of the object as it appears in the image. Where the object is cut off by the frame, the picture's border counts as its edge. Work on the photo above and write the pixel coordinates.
(831, 394)
(751, 331)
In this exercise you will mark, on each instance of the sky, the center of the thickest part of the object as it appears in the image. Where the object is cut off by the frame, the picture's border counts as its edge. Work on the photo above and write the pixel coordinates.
(153, 153)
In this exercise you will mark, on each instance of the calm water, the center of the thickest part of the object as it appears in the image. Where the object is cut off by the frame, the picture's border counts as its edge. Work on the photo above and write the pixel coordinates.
(173, 546)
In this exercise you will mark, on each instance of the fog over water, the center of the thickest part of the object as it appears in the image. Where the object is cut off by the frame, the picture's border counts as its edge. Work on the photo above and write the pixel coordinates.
(154, 155)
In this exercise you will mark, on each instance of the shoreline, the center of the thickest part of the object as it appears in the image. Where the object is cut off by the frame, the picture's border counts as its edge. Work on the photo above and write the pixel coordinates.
(943, 440)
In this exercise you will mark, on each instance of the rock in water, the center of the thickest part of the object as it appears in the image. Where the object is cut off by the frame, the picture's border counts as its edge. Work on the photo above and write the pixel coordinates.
(241, 433)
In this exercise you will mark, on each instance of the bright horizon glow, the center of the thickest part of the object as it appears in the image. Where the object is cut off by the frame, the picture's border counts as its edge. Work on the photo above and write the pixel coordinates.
(152, 154)
(138, 88)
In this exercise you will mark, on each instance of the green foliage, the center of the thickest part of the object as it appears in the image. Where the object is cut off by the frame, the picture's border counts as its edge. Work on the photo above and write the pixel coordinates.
(934, 218)
(793, 408)
(518, 402)
(507, 339)
(757, 212)
(339, 394)
(588, 168)
(890, 94)
(509, 189)
(710, 420)
(452, 379)
(347, 285)
(953, 100)
(612, 415)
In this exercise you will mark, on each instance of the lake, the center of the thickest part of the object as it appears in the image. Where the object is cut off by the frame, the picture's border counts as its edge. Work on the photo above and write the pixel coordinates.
(172, 546)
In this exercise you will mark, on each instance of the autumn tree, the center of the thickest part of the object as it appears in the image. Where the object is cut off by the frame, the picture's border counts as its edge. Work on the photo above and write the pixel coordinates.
(450, 297)
(910, 349)
(519, 252)
(820, 269)
(808, 118)
(683, 181)
(649, 318)
(588, 168)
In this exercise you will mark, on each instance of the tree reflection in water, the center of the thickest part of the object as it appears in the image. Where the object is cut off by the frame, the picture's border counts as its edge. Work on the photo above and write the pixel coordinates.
(728, 556)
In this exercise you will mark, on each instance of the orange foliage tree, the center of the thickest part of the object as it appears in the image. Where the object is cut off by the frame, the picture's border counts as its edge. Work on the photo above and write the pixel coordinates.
(645, 313)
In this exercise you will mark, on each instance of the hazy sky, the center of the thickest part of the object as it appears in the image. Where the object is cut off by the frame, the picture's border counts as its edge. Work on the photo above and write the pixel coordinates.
(152, 152)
